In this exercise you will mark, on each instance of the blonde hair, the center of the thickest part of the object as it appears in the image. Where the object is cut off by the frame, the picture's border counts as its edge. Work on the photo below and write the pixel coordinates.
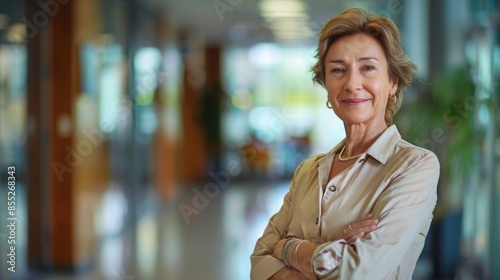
(355, 21)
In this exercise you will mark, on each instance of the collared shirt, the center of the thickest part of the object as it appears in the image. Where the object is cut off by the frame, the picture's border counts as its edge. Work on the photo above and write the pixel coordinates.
(393, 180)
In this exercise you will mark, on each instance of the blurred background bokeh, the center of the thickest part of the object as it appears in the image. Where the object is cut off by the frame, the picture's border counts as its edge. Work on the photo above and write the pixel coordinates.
(154, 139)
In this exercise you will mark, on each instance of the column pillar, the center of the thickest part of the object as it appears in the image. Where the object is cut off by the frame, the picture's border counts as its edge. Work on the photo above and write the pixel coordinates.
(193, 152)
(62, 91)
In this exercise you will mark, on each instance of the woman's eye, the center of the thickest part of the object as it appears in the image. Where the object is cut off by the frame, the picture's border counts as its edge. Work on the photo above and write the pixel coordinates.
(368, 68)
(337, 70)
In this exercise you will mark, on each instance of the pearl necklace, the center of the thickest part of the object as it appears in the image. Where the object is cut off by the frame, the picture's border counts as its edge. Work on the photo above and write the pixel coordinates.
(347, 158)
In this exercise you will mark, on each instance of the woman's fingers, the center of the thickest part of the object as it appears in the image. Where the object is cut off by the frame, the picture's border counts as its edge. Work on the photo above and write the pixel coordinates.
(360, 227)
(364, 218)
(363, 224)
(353, 235)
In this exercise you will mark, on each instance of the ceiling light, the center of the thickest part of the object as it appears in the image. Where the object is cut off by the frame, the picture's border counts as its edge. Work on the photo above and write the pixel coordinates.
(282, 8)
(288, 24)
(287, 19)
(286, 5)
(283, 14)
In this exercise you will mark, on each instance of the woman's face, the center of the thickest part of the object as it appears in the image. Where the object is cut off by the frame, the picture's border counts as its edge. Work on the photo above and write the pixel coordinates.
(357, 79)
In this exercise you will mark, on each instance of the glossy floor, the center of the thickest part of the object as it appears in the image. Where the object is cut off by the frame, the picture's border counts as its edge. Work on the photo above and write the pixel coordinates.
(203, 233)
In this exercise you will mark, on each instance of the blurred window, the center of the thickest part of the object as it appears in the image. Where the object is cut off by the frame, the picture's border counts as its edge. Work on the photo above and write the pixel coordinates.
(272, 100)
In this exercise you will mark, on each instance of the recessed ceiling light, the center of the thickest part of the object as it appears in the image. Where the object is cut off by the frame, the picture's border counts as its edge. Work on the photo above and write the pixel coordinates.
(282, 8)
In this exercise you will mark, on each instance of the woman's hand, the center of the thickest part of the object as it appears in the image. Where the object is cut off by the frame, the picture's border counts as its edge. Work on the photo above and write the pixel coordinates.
(304, 267)
(359, 228)
(286, 272)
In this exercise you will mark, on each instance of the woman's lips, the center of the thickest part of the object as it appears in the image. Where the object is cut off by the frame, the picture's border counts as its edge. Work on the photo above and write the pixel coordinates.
(354, 101)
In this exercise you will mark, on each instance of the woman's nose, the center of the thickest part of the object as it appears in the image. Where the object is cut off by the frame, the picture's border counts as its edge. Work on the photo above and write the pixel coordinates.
(353, 82)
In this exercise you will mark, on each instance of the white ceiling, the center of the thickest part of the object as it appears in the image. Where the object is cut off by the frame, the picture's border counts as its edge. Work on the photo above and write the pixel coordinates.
(240, 22)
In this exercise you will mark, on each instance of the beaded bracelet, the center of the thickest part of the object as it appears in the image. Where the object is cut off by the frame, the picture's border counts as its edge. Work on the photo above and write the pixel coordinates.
(286, 252)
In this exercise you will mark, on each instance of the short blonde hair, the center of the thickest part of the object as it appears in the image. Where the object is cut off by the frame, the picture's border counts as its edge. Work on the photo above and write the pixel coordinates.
(355, 21)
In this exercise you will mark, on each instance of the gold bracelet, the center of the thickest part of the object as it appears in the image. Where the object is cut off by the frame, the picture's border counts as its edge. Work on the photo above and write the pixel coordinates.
(296, 249)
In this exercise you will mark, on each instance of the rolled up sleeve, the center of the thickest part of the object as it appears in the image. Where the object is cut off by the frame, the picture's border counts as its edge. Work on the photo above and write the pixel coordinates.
(327, 258)
(263, 264)
(404, 210)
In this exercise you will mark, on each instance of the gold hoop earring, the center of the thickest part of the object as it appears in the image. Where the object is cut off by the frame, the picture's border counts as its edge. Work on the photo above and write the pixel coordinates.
(393, 99)
(329, 104)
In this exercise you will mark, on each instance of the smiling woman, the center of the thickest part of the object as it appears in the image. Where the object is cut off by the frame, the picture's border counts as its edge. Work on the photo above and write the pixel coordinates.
(357, 80)
(362, 210)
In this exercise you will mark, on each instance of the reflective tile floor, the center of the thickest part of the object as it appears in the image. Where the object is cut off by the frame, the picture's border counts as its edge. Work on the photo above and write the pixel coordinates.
(202, 233)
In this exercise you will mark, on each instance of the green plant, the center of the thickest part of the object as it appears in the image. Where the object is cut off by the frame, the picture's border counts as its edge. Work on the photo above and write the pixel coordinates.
(441, 118)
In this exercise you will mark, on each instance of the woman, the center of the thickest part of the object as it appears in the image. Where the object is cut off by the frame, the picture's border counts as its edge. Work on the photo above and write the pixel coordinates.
(362, 210)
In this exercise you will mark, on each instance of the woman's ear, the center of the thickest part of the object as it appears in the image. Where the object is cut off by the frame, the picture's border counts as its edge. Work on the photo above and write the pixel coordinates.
(394, 85)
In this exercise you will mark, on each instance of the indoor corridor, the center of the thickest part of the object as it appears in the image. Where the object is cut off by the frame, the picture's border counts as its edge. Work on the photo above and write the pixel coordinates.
(154, 139)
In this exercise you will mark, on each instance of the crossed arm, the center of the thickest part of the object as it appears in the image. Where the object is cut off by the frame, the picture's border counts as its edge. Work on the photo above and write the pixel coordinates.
(303, 268)
(404, 211)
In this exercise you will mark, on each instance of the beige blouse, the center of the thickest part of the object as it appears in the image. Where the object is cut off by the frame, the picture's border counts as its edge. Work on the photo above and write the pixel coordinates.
(394, 180)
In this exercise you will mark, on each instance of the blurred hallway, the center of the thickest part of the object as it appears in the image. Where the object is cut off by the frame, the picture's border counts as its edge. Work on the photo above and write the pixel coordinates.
(153, 139)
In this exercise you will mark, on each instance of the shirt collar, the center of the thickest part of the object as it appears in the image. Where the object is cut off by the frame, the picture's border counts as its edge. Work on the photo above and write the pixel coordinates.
(380, 150)
(383, 147)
